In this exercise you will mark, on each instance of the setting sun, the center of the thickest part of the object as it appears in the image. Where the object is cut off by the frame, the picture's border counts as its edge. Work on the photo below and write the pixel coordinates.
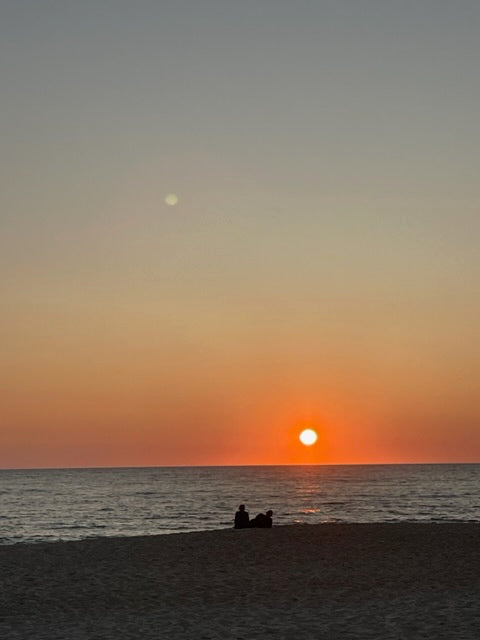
(308, 437)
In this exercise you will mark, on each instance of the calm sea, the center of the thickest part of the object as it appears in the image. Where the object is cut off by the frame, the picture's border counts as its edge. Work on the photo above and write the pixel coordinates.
(70, 504)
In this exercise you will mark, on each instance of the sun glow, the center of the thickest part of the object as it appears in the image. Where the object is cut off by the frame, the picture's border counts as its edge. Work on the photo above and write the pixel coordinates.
(308, 437)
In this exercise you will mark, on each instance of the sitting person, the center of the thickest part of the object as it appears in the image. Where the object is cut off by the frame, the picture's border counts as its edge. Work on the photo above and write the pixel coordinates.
(262, 520)
(242, 519)
(268, 519)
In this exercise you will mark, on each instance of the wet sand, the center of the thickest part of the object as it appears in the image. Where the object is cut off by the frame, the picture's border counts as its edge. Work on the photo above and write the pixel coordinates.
(332, 581)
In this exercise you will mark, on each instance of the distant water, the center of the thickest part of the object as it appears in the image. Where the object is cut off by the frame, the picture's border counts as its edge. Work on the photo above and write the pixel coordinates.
(71, 504)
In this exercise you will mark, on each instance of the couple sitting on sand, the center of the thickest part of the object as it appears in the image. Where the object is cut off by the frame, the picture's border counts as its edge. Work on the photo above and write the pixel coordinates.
(262, 521)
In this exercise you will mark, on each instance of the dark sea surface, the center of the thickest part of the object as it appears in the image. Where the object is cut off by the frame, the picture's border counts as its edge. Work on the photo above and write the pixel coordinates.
(71, 504)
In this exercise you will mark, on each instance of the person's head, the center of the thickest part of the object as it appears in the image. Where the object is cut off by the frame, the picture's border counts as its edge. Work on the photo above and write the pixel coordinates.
(241, 507)
(269, 513)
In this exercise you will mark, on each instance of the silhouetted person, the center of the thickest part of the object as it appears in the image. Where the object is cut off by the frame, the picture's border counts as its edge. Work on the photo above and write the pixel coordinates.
(268, 519)
(262, 520)
(242, 519)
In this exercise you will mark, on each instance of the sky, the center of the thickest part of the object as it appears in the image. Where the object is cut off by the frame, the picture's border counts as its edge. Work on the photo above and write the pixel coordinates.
(319, 269)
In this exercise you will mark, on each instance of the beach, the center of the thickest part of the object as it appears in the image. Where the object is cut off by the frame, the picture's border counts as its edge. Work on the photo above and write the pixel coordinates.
(334, 581)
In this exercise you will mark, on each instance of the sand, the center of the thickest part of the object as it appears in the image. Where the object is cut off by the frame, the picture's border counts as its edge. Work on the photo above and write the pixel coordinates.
(387, 581)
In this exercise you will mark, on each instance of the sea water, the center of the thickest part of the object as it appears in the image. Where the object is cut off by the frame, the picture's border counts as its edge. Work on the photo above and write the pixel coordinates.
(71, 504)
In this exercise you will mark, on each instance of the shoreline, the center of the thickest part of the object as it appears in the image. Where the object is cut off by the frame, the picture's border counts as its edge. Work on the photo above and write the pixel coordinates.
(337, 580)
(389, 523)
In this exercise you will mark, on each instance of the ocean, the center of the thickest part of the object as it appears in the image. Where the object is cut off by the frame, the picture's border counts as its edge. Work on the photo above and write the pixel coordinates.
(39, 505)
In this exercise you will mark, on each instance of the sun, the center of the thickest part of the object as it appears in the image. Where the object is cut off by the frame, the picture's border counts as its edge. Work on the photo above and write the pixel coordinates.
(308, 437)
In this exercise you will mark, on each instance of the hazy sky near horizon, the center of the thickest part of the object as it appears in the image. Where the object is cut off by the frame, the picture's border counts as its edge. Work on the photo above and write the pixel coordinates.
(320, 267)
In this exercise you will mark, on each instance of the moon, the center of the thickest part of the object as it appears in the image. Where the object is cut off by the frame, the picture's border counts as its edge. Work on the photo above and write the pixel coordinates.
(308, 437)
(171, 199)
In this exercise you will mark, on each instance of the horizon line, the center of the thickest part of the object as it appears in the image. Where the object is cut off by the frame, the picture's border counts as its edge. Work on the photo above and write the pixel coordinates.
(238, 466)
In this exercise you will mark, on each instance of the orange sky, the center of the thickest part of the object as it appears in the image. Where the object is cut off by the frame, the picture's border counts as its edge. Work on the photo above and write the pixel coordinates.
(127, 396)
(109, 373)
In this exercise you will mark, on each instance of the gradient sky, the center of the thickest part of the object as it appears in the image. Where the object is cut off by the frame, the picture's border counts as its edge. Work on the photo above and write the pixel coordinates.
(321, 266)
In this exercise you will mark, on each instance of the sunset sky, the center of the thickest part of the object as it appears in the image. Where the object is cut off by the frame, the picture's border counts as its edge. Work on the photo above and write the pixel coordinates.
(320, 268)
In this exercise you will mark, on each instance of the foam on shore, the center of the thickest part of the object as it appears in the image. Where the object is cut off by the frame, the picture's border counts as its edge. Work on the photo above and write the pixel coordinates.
(389, 581)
